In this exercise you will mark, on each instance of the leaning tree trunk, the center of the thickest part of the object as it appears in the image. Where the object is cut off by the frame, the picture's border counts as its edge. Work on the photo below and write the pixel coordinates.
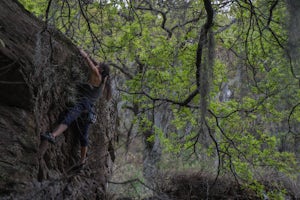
(39, 68)
(294, 54)
(161, 118)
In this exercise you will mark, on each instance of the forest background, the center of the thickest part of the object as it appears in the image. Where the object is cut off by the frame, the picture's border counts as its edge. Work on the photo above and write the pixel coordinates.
(204, 88)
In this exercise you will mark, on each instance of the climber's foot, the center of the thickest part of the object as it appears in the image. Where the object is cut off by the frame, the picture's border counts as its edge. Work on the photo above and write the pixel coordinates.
(48, 136)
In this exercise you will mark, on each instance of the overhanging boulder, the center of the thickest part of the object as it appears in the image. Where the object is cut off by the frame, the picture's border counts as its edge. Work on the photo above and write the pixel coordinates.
(39, 69)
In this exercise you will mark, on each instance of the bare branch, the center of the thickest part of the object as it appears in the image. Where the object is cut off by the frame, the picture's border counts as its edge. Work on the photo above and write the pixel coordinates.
(290, 116)
(47, 14)
(164, 16)
(121, 69)
(271, 12)
(184, 103)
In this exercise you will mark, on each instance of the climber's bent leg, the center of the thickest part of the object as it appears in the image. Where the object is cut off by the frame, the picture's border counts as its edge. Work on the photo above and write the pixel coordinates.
(83, 155)
(59, 130)
(82, 128)
(71, 116)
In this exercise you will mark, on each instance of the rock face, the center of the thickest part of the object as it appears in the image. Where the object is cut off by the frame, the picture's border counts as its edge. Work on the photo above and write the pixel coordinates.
(39, 69)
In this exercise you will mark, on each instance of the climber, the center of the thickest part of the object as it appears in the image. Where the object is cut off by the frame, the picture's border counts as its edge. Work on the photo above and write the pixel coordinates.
(89, 93)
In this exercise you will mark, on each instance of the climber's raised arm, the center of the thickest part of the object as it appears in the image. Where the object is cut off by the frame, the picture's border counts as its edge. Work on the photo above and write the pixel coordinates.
(92, 64)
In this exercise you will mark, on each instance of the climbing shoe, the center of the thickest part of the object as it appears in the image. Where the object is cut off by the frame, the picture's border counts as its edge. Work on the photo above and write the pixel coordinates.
(48, 136)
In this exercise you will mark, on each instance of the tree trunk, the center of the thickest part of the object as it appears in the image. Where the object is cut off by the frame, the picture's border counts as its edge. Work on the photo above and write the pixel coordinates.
(294, 36)
(153, 150)
(294, 54)
(39, 68)
(151, 153)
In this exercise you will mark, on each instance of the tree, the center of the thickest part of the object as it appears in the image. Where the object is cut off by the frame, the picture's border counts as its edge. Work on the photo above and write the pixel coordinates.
(293, 52)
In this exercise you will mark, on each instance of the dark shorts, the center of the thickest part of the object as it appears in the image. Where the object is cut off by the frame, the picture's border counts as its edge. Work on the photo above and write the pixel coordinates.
(77, 115)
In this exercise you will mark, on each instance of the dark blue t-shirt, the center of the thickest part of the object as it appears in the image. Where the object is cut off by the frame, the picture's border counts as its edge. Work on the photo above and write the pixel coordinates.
(90, 92)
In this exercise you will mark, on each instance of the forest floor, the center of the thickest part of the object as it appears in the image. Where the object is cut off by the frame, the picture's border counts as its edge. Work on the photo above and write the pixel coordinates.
(178, 179)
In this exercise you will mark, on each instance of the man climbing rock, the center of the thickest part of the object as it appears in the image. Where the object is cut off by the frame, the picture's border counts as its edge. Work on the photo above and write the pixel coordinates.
(82, 112)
